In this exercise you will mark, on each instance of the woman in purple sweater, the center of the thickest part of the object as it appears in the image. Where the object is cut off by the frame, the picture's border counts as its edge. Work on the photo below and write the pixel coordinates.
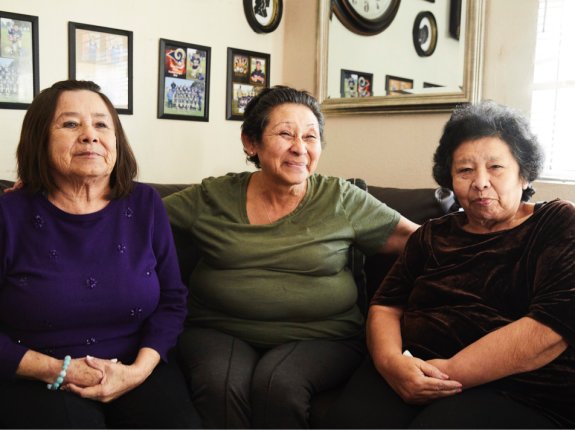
(91, 300)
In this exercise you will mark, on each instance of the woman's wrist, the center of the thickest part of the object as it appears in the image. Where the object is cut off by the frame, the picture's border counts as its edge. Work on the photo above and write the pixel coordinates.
(59, 380)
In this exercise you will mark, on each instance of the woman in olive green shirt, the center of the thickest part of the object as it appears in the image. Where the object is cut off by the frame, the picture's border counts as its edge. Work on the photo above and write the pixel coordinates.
(272, 303)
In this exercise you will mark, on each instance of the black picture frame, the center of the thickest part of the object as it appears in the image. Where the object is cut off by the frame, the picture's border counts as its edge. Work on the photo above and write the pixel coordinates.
(19, 65)
(244, 80)
(455, 18)
(103, 55)
(425, 34)
(263, 16)
(397, 85)
(356, 21)
(431, 85)
(355, 84)
(184, 81)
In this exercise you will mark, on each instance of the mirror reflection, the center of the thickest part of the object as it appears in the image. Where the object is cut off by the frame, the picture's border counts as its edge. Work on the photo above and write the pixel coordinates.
(427, 58)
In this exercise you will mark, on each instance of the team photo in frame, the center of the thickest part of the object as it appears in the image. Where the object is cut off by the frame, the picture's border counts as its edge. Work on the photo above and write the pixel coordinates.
(184, 81)
(19, 67)
(248, 73)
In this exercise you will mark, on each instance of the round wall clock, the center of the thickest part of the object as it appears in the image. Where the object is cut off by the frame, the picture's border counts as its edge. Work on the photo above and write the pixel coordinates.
(264, 16)
(366, 17)
(425, 34)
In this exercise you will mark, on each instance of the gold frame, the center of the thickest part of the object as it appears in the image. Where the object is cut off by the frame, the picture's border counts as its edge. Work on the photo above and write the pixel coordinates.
(438, 102)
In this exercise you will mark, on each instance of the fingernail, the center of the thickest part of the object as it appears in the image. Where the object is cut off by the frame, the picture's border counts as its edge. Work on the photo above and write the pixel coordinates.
(114, 360)
(89, 357)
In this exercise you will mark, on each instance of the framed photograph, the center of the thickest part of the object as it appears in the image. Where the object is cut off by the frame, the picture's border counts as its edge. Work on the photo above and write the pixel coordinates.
(355, 84)
(19, 76)
(397, 85)
(455, 18)
(248, 73)
(105, 56)
(184, 81)
(424, 34)
(263, 16)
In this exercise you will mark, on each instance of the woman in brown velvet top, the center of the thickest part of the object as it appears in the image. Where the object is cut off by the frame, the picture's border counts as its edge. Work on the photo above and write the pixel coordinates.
(483, 299)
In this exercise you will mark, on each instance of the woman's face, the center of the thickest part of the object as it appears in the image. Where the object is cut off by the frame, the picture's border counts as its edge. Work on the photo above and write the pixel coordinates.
(290, 146)
(487, 183)
(82, 143)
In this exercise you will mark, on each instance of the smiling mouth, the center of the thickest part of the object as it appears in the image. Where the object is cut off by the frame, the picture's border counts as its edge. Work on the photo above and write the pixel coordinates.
(296, 164)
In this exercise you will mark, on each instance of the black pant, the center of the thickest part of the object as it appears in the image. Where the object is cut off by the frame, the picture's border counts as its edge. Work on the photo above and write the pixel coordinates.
(234, 385)
(369, 402)
(161, 401)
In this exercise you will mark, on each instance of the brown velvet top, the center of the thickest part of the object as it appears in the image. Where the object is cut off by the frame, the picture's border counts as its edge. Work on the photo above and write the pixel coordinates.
(456, 287)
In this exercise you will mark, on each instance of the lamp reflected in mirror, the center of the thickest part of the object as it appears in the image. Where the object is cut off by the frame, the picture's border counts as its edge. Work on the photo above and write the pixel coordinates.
(428, 58)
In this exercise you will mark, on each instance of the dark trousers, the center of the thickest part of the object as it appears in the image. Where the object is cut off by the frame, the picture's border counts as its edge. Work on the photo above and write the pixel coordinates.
(161, 401)
(369, 402)
(234, 385)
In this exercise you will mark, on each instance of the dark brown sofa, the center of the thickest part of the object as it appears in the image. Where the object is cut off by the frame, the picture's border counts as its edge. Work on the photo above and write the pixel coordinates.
(418, 205)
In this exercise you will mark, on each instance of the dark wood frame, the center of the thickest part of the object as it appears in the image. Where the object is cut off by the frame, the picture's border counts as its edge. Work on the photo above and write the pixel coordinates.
(388, 82)
(35, 67)
(250, 12)
(432, 34)
(358, 24)
(243, 78)
(344, 76)
(73, 60)
(186, 78)
(455, 18)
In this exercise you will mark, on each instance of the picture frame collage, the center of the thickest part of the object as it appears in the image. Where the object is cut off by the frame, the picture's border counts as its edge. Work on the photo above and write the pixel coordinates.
(184, 90)
(248, 73)
(105, 55)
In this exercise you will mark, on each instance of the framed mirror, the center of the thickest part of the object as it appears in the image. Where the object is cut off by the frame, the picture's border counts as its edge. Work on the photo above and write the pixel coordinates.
(403, 80)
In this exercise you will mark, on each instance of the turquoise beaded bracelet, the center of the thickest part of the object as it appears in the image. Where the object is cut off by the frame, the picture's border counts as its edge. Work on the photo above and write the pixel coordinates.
(60, 379)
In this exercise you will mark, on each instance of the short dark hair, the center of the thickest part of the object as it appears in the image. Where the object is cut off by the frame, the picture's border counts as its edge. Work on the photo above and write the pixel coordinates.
(489, 119)
(257, 112)
(33, 155)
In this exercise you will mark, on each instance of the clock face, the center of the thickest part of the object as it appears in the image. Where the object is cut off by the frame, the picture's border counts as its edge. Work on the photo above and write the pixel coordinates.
(371, 10)
(366, 17)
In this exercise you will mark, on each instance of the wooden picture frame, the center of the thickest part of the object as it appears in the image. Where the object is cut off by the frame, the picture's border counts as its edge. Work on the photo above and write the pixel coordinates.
(248, 73)
(103, 55)
(184, 81)
(397, 85)
(19, 65)
(263, 16)
(356, 84)
(425, 34)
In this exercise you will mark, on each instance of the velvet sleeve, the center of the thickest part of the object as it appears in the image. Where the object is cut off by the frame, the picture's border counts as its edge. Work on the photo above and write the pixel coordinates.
(553, 290)
(398, 283)
(166, 323)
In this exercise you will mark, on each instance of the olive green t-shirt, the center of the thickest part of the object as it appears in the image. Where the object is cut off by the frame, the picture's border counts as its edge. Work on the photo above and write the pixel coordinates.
(285, 281)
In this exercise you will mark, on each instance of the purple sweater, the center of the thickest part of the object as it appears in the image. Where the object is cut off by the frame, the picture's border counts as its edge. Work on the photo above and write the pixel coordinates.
(104, 284)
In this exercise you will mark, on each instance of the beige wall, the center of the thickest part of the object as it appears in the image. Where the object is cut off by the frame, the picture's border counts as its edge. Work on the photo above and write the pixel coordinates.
(388, 149)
